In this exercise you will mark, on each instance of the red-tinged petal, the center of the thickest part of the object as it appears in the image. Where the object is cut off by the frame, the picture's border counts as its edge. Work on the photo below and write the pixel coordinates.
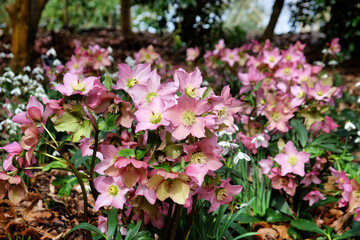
(34, 113)
(33, 102)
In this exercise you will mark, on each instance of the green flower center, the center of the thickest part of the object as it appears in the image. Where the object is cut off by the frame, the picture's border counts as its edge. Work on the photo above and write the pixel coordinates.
(131, 82)
(301, 94)
(222, 113)
(288, 58)
(276, 116)
(221, 194)
(150, 96)
(113, 190)
(198, 158)
(99, 58)
(287, 71)
(292, 160)
(188, 118)
(76, 66)
(262, 101)
(320, 93)
(155, 118)
(271, 59)
(78, 85)
(191, 91)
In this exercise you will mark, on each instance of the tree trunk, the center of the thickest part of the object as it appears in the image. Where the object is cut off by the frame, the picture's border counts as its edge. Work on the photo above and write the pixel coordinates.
(25, 16)
(125, 18)
(269, 31)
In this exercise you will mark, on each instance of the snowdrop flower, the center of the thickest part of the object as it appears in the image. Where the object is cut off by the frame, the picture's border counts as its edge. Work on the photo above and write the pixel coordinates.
(226, 146)
(56, 62)
(321, 64)
(18, 110)
(10, 55)
(349, 126)
(222, 133)
(27, 69)
(110, 58)
(16, 91)
(110, 50)
(2, 55)
(130, 61)
(9, 74)
(51, 51)
(240, 156)
(325, 75)
(37, 70)
(56, 153)
(21, 105)
(39, 77)
(324, 51)
(333, 62)
(357, 140)
(357, 84)
(205, 83)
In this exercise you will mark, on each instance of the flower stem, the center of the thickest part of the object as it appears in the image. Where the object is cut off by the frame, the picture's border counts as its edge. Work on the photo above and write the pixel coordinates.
(176, 222)
(51, 136)
(94, 192)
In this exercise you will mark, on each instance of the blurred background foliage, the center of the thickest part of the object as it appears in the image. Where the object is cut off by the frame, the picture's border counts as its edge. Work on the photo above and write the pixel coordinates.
(204, 22)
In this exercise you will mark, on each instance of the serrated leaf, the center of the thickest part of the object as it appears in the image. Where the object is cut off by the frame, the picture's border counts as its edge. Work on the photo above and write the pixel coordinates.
(126, 153)
(307, 225)
(54, 164)
(112, 222)
(86, 226)
(66, 182)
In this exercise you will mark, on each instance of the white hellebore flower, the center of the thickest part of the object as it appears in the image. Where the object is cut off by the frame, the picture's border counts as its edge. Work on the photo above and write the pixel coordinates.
(240, 156)
(349, 126)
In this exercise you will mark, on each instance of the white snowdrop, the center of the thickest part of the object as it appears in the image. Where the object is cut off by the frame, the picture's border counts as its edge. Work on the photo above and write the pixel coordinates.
(27, 69)
(16, 92)
(241, 155)
(56, 62)
(50, 52)
(349, 126)
(333, 63)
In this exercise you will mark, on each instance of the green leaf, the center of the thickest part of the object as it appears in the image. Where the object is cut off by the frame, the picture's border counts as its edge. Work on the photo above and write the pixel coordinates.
(108, 82)
(207, 93)
(67, 182)
(140, 153)
(258, 85)
(176, 168)
(108, 123)
(307, 225)
(132, 231)
(84, 130)
(54, 164)
(279, 203)
(245, 235)
(164, 166)
(293, 233)
(276, 216)
(126, 153)
(77, 159)
(355, 231)
(301, 131)
(86, 226)
(112, 222)
(66, 123)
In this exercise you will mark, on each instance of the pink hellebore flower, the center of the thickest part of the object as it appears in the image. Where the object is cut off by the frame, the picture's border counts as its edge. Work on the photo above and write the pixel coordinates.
(221, 194)
(203, 156)
(129, 78)
(219, 46)
(189, 83)
(75, 85)
(173, 185)
(292, 161)
(357, 216)
(278, 117)
(143, 94)
(111, 193)
(313, 197)
(34, 113)
(29, 142)
(14, 149)
(75, 65)
(130, 170)
(334, 46)
(100, 56)
(231, 56)
(320, 92)
(192, 53)
(266, 165)
(271, 58)
(249, 79)
(151, 117)
(311, 177)
(186, 117)
(286, 182)
(15, 187)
